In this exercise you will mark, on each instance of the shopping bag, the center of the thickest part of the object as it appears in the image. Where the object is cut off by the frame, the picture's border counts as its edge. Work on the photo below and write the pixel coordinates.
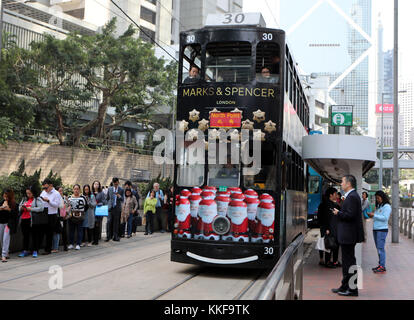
(330, 242)
(320, 245)
(101, 211)
(144, 220)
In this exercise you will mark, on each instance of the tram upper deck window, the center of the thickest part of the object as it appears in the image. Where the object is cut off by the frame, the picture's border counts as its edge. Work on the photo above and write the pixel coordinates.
(268, 62)
(228, 62)
(191, 64)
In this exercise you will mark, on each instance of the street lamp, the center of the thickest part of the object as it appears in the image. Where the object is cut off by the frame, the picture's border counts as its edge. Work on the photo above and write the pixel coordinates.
(382, 135)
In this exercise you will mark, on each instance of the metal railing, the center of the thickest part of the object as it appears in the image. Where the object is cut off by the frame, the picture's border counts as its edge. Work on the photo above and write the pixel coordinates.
(406, 219)
(285, 282)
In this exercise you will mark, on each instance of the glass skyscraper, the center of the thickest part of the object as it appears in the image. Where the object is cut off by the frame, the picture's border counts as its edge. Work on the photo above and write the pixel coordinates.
(334, 37)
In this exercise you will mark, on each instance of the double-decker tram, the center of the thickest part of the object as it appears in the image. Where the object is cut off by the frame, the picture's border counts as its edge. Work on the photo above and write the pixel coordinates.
(234, 79)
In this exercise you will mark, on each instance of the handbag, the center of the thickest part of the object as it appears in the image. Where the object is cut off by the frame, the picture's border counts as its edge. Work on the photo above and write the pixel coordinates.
(101, 211)
(39, 218)
(330, 242)
(320, 245)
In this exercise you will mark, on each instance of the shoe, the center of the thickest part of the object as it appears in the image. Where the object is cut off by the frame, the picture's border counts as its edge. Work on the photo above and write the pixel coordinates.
(34, 255)
(46, 253)
(373, 269)
(70, 247)
(107, 240)
(117, 239)
(95, 243)
(134, 234)
(129, 236)
(3, 259)
(348, 293)
(23, 254)
(330, 265)
(380, 269)
(83, 245)
(89, 244)
(54, 251)
(162, 231)
(150, 233)
(337, 264)
(146, 233)
(65, 248)
(77, 247)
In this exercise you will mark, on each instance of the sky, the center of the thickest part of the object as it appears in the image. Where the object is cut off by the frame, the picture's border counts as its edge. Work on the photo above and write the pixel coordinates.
(279, 10)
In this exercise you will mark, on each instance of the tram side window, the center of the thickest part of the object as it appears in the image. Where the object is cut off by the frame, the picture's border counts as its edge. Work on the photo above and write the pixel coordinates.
(228, 62)
(268, 63)
(191, 64)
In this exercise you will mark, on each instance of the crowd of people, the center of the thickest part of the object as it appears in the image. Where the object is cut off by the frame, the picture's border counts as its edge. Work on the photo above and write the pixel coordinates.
(48, 217)
(342, 219)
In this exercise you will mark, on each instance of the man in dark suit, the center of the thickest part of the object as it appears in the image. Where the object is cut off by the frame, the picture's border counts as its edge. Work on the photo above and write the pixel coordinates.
(350, 232)
(115, 198)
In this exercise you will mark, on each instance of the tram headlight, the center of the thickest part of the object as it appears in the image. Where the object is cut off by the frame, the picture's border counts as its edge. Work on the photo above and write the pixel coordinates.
(221, 225)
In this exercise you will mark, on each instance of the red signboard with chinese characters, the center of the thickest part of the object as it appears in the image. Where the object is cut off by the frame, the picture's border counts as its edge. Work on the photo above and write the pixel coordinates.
(388, 108)
(225, 120)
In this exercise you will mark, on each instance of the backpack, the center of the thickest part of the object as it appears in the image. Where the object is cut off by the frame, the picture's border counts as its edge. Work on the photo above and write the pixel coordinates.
(39, 218)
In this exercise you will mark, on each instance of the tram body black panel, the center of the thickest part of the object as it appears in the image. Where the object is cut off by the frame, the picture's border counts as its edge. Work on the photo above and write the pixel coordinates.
(223, 250)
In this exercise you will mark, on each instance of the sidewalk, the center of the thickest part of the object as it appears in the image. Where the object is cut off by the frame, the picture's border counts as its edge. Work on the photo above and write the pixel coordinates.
(396, 284)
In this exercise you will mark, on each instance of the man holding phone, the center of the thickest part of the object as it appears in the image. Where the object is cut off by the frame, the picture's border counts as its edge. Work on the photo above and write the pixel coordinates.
(51, 199)
(350, 232)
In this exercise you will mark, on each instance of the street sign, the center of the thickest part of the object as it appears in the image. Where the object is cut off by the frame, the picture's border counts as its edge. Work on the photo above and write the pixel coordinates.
(341, 116)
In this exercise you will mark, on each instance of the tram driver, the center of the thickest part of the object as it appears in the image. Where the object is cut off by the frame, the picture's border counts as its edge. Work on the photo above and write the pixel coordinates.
(266, 77)
(193, 75)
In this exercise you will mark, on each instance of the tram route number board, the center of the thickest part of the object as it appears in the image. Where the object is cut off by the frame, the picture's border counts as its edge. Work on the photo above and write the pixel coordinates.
(225, 120)
(342, 116)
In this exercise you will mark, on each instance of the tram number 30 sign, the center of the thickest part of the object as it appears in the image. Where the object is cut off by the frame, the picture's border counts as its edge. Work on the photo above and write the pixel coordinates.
(342, 116)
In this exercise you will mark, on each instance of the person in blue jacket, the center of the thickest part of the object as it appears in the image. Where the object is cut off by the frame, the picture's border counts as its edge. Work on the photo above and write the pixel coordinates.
(381, 216)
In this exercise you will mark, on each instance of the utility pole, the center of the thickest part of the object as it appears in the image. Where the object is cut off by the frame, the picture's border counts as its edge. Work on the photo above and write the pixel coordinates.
(395, 171)
(382, 143)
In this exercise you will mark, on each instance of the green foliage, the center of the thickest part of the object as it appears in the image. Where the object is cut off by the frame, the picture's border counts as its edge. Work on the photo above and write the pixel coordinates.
(18, 181)
(55, 178)
(6, 130)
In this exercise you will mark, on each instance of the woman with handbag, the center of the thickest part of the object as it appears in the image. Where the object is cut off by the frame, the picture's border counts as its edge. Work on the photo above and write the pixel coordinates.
(149, 212)
(328, 227)
(77, 206)
(29, 205)
(8, 221)
(381, 217)
(100, 198)
(63, 218)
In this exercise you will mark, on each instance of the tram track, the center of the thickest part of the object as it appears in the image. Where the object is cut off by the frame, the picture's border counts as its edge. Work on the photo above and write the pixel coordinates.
(148, 259)
(81, 260)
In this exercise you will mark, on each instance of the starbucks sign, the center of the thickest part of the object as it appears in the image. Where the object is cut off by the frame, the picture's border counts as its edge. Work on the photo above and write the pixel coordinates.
(341, 116)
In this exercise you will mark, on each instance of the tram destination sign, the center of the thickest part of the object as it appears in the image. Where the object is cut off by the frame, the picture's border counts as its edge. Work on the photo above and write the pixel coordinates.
(342, 116)
(225, 120)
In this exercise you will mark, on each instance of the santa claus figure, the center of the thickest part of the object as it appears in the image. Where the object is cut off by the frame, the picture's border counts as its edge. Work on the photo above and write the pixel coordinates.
(234, 190)
(211, 189)
(265, 226)
(196, 191)
(237, 213)
(207, 211)
(222, 205)
(250, 193)
(184, 194)
(194, 206)
(208, 195)
(252, 206)
(265, 197)
(237, 196)
(183, 221)
(223, 194)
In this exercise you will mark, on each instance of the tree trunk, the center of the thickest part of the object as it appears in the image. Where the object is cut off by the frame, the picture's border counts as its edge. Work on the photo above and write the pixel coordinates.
(61, 128)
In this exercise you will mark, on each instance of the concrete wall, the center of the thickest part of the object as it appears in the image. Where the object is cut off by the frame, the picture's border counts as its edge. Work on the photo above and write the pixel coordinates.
(76, 165)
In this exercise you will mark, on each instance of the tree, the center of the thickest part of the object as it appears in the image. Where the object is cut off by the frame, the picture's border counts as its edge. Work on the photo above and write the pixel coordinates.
(48, 73)
(128, 76)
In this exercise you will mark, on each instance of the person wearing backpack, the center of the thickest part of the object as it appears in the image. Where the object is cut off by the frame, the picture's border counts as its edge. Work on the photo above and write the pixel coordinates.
(31, 204)
(77, 206)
